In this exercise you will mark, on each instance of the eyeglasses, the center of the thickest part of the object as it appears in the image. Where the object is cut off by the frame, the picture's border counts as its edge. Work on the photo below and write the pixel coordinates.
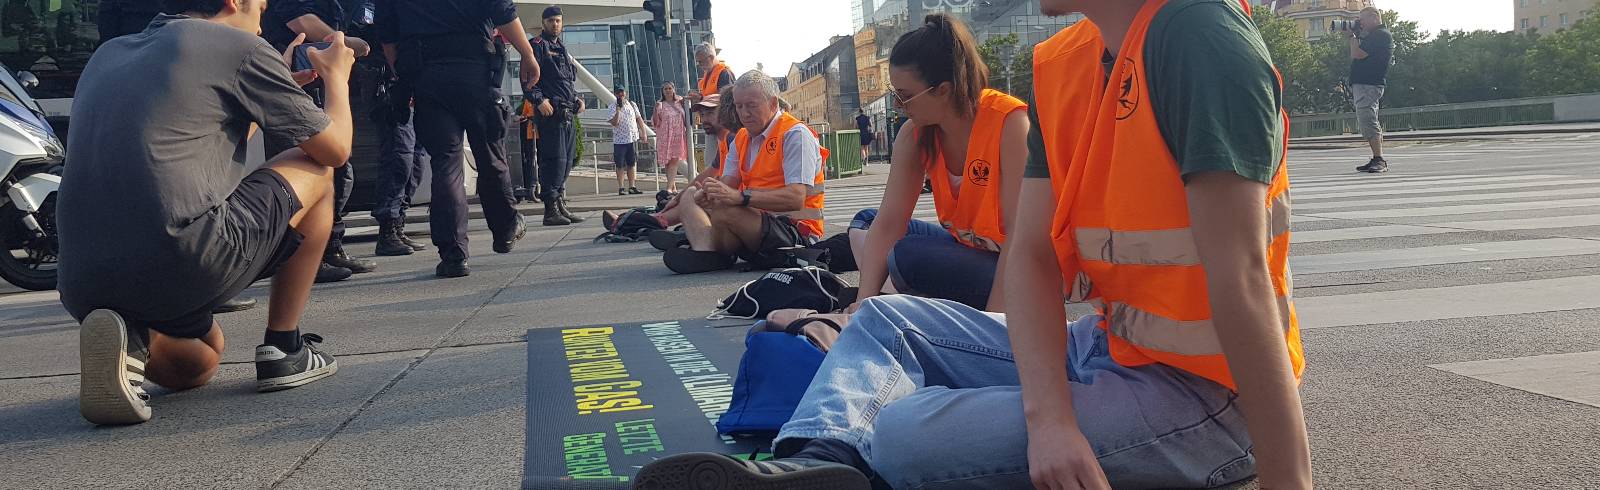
(902, 101)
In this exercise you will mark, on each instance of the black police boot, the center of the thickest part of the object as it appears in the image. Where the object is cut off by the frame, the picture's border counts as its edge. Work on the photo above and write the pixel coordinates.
(552, 213)
(328, 273)
(389, 243)
(452, 268)
(561, 206)
(400, 231)
(357, 266)
(504, 246)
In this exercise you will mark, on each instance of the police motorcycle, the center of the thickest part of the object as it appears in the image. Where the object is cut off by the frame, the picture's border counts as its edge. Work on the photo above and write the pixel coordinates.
(31, 158)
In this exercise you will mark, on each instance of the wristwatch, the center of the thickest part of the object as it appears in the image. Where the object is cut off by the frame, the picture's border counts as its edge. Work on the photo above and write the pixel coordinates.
(746, 195)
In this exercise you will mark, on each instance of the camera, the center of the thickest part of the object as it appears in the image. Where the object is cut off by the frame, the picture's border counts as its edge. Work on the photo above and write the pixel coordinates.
(1342, 25)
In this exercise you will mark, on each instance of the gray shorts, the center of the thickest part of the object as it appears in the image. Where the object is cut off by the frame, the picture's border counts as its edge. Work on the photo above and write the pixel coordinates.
(1366, 101)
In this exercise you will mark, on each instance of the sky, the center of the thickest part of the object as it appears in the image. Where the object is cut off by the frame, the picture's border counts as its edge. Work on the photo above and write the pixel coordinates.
(777, 33)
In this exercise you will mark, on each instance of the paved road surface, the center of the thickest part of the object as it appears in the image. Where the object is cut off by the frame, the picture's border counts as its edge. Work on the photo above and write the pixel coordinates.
(1449, 312)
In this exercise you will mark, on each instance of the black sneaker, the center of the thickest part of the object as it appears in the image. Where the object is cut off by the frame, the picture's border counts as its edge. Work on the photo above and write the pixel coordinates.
(452, 269)
(635, 190)
(278, 370)
(356, 266)
(712, 471)
(505, 246)
(111, 365)
(684, 260)
(328, 273)
(233, 305)
(1370, 164)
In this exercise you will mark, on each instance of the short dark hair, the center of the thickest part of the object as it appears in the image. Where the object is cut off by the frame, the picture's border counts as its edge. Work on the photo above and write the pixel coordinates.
(204, 7)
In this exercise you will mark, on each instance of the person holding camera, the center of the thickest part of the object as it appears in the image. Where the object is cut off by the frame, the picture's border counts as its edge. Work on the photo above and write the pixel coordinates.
(1371, 48)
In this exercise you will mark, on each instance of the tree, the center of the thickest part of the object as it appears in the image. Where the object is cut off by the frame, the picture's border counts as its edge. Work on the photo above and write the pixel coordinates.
(1293, 56)
(1567, 62)
(1010, 65)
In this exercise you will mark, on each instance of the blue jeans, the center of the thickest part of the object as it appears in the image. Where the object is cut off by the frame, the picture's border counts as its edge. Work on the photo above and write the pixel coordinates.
(927, 391)
(930, 263)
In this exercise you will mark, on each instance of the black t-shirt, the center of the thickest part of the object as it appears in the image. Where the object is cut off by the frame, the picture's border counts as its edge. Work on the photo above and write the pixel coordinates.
(275, 24)
(1215, 96)
(1374, 69)
(401, 20)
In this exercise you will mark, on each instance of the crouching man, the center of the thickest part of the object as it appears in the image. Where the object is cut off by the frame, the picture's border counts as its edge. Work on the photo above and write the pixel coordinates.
(161, 219)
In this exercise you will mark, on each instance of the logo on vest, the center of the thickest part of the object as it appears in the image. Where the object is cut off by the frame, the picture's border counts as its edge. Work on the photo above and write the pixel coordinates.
(1127, 90)
(978, 172)
(771, 146)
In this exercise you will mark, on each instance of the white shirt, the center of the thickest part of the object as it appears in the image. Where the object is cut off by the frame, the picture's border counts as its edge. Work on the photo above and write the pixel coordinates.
(802, 155)
(626, 131)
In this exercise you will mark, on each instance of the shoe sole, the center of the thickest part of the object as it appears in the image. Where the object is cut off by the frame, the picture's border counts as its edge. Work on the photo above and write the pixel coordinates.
(664, 240)
(232, 309)
(285, 382)
(701, 471)
(104, 395)
(396, 252)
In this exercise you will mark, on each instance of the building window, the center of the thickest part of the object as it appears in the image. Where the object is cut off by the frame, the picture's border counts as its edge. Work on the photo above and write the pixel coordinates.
(1525, 23)
(1524, 3)
(1563, 20)
(574, 35)
(1544, 21)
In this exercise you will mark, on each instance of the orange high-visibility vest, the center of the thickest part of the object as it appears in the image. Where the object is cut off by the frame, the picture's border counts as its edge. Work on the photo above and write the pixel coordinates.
(722, 154)
(1121, 228)
(708, 83)
(527, 126)
(973, 214)
(767, 172)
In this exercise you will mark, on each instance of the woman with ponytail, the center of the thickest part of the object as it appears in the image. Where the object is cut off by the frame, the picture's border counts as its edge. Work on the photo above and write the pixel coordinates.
(970, 142)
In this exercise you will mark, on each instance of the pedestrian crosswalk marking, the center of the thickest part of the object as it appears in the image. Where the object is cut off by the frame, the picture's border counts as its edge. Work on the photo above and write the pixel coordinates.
(1381, 182)
(1440, 255)
(1461, 209)
(1529, 195)
(1302, 196)
(1569, 376)
(1415, 305)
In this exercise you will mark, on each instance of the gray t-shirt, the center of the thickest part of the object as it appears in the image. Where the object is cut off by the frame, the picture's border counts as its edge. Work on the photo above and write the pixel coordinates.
(160, 122)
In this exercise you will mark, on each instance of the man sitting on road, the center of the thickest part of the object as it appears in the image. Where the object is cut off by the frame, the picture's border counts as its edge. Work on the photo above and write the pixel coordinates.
(161, 220)
(770, 194)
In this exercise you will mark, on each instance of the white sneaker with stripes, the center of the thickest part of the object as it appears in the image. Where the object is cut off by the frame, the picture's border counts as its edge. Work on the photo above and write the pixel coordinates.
(111, 365)
(278, 370)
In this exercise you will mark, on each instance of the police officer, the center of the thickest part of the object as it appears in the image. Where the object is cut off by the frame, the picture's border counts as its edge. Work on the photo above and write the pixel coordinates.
(556, 104)
(446, 54)
(317, 19)
(401, 161)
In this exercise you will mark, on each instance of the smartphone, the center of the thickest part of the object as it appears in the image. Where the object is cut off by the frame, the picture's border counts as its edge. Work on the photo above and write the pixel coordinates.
(301, 61)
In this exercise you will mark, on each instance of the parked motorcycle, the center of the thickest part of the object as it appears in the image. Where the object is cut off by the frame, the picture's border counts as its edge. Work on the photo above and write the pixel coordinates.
(31, 157)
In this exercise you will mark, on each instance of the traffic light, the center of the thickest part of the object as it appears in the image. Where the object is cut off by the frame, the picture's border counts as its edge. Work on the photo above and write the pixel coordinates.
(661, 22)
(702, 9)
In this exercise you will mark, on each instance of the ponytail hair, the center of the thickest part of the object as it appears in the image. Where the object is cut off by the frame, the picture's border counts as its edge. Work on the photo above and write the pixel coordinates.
(941, 51)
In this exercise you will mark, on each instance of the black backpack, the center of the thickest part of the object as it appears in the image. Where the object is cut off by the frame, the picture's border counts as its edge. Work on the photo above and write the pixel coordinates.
(811, 288)
(632, 225)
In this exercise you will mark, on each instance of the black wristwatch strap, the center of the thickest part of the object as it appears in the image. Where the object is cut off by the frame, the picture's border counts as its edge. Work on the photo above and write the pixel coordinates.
(746, 202)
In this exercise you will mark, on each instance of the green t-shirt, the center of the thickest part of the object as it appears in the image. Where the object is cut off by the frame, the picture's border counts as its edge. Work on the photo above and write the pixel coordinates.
(1214, 93)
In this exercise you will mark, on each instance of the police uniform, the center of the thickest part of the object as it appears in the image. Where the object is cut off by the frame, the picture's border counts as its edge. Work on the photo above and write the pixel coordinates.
(400, 165)
(556, 132)
(448, 58)
(275, 29)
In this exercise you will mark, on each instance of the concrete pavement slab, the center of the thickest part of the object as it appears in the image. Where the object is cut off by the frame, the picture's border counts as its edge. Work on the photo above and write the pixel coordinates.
(1412, 257)
(1569, 293)
(1573, 377)
(220, 436)
(1572, 221)
(454, 421)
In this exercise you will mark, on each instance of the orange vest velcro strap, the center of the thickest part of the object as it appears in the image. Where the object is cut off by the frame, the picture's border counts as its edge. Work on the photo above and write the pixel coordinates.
(1153, 247)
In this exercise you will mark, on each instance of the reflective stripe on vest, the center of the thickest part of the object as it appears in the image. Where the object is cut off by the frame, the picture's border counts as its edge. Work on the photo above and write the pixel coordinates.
(1121, 230)
(767, 172)
(973, 214)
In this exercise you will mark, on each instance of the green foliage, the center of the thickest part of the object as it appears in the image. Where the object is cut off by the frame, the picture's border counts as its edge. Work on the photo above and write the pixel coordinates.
(995, 52)
(1567, 62)
(577, 135)
(1450, 67)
